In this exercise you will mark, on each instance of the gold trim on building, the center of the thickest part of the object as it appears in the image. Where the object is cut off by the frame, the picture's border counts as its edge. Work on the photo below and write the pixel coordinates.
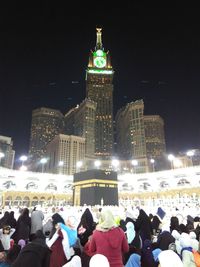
(92, 181)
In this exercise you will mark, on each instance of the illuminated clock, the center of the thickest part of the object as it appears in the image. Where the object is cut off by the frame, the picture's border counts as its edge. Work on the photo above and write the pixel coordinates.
(99, 62)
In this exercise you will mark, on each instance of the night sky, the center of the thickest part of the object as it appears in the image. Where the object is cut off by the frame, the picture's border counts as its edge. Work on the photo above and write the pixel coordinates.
(155, 54)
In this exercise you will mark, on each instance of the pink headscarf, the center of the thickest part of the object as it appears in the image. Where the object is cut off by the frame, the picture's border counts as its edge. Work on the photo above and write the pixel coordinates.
(22, 243)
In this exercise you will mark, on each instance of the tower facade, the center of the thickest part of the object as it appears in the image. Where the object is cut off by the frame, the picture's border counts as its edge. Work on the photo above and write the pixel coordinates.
(99, 88)
(131, 144)
(46, 124)
(130, 130)
(65, 149)
(155, 139)
(6, 149)
(80, 121)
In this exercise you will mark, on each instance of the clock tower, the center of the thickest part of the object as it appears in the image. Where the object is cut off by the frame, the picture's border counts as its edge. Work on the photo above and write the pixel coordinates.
(99, 88)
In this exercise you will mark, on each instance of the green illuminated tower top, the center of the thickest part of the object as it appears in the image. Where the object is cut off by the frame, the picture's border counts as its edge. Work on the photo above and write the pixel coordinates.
(99, 60)
(99, 88)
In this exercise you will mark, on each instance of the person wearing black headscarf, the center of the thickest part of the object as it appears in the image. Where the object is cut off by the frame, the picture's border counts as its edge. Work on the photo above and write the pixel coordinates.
(174, 224)
(56, 244)
(143, 226)
(84, 230)
(190, 223)
(85, 227)
(11, 220)
(4, 219)
(56, 218)
(147, 259)
(35, 253)
(23, 226)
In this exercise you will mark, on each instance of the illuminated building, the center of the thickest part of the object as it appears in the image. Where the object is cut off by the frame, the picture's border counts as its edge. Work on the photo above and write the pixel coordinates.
(8, 154)
(99, 88)
(130, 131)
(46, 124)
(24, 188)
(155, 139)
(80, 121)
(65, 149)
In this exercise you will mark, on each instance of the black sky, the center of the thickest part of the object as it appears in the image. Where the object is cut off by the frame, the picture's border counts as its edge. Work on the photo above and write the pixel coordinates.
(155, 53)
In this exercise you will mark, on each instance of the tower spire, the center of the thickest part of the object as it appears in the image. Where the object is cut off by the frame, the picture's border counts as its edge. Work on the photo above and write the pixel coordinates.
(99, 44)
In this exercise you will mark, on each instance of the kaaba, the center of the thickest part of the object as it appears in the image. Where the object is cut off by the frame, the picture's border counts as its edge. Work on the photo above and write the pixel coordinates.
(95, 187)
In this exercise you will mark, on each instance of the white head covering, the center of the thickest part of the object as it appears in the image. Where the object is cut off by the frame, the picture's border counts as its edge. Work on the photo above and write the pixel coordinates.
(130, 232)
(165, 227)
(99, 260)
(176, 234)
(192, 235)
(185, 240)
(169, 258)
(194, 241)
(75, 262)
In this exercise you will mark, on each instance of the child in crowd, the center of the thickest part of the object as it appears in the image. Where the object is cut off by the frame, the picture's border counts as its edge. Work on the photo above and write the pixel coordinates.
(5, 236)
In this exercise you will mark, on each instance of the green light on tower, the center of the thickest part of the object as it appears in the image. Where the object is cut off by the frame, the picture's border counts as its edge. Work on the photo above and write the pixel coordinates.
(99, 53)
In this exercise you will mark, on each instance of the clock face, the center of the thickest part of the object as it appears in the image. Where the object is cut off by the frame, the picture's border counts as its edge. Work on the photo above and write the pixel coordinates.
(99, 62)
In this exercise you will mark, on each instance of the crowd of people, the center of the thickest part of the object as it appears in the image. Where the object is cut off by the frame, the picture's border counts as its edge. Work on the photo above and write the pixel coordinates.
(100, 236)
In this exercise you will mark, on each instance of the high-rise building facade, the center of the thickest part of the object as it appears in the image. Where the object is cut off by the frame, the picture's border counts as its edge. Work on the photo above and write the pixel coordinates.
(130, 130)
(99, 88)
(155, 140)
(46, 124)
(7, 152)
(64, 152)
(155, 136)
(80, 121)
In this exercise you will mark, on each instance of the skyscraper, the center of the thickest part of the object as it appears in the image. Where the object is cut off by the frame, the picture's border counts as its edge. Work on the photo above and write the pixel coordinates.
(131, 134)
(155, 139)
(6, 148)
(46, 124)
(80, 121)
(65, 149)
(99, 88)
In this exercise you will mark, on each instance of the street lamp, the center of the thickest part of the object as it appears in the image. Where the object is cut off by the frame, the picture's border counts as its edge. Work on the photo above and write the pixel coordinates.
(190, 154)
(23, 159)
(177, 163)
(171, 159)
(152, 162)
(134, 162)
(43, 161)
(2, 155)
(97, 163)
(115, 163)
(79, 164)
(61, 164)
(23, 168)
